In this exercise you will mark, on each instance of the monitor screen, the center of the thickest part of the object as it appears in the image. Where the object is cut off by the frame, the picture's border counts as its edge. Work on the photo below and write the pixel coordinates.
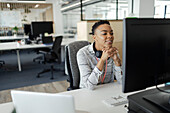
(146, 53)
(27, 29)
(41, 28)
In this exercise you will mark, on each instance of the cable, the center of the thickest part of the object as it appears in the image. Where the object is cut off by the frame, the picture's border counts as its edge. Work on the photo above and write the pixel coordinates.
(161, 90)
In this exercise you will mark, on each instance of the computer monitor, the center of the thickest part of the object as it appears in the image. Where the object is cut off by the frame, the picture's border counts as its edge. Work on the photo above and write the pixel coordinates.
(41, 28)
(146, 53)
(27, 29)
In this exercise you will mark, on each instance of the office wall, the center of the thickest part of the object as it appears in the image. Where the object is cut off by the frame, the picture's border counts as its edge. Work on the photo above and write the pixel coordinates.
(49, 14)
(33, 16)
(84, 28)
(13, 21)
(58, 17)
(141, 8)
(82, 31)
(46, 14)
(19, 17)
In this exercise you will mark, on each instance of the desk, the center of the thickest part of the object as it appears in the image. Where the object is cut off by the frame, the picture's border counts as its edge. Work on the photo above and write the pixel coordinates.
(26, 37)
(87, 100)
(16, 46)
(13, 37)
(64, 35)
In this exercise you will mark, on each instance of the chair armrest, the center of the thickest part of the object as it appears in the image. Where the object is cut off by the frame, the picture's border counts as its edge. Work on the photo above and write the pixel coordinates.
(43, 52)
(46, 52)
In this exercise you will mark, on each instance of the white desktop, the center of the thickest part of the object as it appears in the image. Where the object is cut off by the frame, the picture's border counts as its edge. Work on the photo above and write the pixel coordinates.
(90, 101)
(13, 37)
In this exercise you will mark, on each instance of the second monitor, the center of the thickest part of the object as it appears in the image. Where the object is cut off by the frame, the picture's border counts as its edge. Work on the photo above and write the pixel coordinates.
(41, 28)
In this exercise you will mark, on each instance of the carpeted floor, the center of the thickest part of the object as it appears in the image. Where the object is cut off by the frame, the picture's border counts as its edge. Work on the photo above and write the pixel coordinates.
(11, 78)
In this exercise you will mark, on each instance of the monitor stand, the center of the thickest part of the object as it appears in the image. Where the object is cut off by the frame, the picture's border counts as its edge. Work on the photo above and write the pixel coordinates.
(161, 99)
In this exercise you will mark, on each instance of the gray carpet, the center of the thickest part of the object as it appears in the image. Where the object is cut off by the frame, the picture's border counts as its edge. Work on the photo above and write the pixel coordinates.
(11, 78)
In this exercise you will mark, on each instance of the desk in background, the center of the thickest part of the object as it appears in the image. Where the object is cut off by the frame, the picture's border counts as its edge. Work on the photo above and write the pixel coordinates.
(13, 37)
(88, 100)
(64, 35)
(26, 37)
(16, 46)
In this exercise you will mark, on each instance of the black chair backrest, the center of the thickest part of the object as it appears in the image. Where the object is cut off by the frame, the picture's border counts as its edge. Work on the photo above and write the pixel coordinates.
(57, 47)
(47, 39)
(71, 62)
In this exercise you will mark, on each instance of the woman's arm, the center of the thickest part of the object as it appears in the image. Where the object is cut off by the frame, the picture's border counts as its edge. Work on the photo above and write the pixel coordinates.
(118, 73)
(88, 76)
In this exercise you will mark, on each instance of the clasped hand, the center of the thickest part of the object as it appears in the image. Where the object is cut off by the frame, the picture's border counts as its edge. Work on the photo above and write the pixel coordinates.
(111, 52)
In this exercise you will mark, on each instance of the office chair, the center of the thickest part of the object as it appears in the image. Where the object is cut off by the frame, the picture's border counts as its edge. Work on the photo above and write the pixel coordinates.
(52, 56)
(2, 62)
(71, 66)
(9, 33)
(45, 40)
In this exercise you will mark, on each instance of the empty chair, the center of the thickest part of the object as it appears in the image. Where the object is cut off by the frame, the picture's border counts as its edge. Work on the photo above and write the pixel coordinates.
(9, 33)
(45, 40)
(53, 56)
(2, 62)
(72, 69)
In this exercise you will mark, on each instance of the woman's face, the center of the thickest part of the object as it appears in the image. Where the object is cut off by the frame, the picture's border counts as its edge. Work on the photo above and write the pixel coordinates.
(103, 36)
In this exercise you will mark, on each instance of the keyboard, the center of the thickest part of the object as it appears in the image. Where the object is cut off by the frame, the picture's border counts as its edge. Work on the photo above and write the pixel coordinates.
(116, 100)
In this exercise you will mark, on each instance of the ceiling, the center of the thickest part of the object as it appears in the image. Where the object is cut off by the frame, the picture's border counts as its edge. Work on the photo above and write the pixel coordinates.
(11, 6)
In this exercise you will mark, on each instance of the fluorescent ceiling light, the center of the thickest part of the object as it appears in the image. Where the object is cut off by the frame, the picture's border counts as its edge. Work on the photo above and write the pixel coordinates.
(31, 1)
(15, 1)
(74, 5)
(37, 5)
(66, 2)
(8, 5)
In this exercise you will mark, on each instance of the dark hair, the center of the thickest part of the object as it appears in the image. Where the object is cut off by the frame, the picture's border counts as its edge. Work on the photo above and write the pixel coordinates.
(94, 27)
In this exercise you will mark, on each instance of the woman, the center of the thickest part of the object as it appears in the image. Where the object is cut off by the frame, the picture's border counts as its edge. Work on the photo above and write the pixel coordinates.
(99, 62)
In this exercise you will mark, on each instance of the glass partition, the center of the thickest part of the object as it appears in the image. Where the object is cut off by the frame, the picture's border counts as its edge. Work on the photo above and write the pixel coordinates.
(70, 21)
(162, 9)
(106, 10)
